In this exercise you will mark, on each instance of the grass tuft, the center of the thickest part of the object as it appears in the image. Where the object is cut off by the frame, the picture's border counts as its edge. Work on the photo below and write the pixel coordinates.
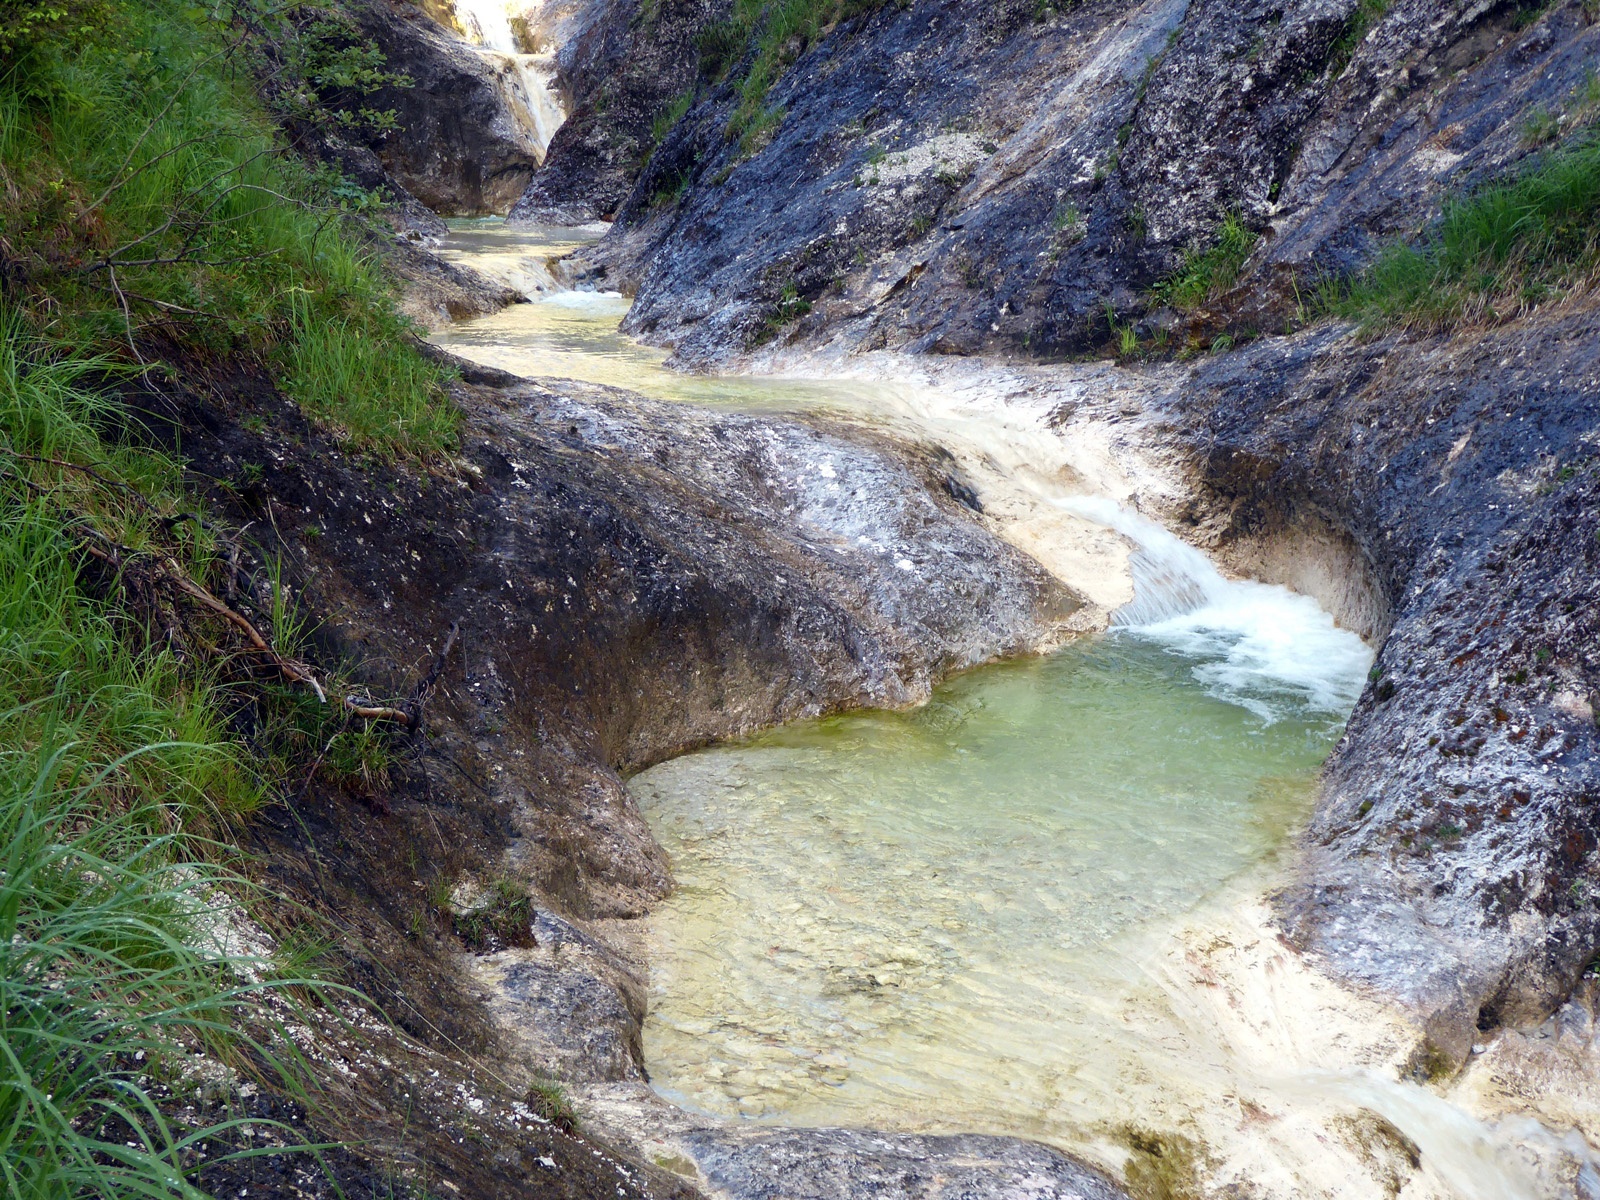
(765, 37)
(1362, 21)
(115, 971)
(148, 200)
(1207, 274)
(150, 209)
(1496, 252)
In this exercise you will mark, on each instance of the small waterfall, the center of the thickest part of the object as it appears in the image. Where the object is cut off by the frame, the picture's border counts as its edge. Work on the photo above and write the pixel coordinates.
(527, 79)
(1258, 645)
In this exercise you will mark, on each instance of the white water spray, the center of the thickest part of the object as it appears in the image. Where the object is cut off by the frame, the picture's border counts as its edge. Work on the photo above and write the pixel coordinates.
(1256, 644)
(528, 80)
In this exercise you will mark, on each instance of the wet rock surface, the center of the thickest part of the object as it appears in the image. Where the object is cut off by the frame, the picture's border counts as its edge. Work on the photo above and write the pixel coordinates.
(821, 1164)
(961, 178)
(731, 1160)
(439, 292)
(952, 178)
(1451, 859)
(623, 63)
(632, 579)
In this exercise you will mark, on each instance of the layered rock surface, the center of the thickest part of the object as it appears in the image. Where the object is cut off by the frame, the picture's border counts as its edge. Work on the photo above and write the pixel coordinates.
(628, 579)
(954, 177)
(633, 580)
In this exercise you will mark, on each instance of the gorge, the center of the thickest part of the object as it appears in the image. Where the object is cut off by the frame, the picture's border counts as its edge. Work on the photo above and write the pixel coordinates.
(1006, 608)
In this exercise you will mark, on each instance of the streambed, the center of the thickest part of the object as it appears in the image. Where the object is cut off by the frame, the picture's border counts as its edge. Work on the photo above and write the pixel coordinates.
(1034, 905)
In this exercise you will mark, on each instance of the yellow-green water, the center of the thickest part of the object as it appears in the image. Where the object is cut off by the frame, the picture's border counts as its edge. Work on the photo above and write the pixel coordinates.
(920, 912)
(572, 334)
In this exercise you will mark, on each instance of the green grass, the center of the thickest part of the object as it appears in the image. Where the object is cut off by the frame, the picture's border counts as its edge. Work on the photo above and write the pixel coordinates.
(146, 198)
(113, 757)
(1207, 274)
(766, 36)
(110, 981)
(549, 1099)
(791, 306)
(149, 213)
(1495, 252)
(670, 116)
(357, 382)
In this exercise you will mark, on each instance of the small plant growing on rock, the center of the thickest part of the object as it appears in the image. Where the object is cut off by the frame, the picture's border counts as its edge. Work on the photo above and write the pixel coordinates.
(549, 1100)
(1540, 127)
(499, 917)
(1206, 274)
(670, 116)
(791, 307)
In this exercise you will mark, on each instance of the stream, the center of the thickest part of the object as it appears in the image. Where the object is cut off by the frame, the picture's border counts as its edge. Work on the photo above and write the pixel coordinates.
(1035, 905)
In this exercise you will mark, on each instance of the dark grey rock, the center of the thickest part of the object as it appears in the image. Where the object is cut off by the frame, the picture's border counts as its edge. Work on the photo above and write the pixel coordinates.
(582, 1023)
(833, 1164)
(1081, 153)
(622, 65)
(459, 150)
(435, 292)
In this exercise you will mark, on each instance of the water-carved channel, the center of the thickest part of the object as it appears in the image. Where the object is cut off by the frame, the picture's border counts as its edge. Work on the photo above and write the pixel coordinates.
(1034, 905)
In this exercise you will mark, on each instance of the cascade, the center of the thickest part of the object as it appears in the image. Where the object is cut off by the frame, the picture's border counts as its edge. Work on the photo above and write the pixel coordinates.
(1246, 636)
(527, 79)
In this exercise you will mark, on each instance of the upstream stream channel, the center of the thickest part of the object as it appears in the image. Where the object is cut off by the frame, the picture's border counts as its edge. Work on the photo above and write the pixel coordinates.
(1034, 905)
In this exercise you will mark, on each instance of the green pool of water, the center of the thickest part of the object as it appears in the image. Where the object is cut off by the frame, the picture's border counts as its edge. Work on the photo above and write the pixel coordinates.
(931, 916)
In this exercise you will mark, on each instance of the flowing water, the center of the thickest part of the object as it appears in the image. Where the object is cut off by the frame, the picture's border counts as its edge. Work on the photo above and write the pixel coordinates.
(506, 33)
(1034, 905)
(566, 334)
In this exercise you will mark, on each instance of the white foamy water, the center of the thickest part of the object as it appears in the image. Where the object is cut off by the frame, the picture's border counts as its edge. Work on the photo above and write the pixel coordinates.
(527, 80)
(1254, 644)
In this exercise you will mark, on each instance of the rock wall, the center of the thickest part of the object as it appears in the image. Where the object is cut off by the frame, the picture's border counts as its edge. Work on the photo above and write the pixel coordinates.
(948, 177)
(623, 64)
(627, 579)
(956, 177)
(1451, 860)
(458, 148)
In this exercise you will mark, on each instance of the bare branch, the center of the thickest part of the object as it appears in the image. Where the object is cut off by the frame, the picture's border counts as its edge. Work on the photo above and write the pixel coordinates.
(183, 84)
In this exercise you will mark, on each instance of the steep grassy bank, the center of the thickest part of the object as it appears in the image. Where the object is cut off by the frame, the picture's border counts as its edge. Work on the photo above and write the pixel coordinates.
(150, 219)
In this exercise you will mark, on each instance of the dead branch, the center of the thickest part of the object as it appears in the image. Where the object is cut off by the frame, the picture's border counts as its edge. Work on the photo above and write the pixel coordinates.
(412, 713)
(424, 690)
(119, 557)
(376, 712)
